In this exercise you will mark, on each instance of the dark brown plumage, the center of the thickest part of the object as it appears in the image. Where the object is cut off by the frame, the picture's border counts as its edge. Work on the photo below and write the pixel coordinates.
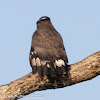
(47, 54)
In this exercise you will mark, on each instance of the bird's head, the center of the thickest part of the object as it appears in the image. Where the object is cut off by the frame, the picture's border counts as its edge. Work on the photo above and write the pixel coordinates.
(44, 18)
(44, 22)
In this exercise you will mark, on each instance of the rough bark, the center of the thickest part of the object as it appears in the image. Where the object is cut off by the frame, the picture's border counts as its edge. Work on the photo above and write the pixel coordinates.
(78, 72)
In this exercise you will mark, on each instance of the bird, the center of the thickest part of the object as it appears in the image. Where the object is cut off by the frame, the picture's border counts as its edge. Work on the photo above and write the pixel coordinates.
(47, 54)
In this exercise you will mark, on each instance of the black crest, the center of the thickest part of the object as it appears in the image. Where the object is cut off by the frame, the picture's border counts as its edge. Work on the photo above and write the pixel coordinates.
(43, 19)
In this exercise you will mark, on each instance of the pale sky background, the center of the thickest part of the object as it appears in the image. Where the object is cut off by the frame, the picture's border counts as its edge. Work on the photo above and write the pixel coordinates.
(78, 22)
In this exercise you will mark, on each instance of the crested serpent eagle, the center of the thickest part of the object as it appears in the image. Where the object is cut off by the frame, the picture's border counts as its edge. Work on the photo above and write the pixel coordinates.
(47, 54)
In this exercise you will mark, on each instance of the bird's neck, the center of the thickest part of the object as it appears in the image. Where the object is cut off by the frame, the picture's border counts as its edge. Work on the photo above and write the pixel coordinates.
(45, 24)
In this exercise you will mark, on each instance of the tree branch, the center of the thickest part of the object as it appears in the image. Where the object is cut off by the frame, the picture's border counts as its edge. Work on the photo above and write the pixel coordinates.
(78, 72)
